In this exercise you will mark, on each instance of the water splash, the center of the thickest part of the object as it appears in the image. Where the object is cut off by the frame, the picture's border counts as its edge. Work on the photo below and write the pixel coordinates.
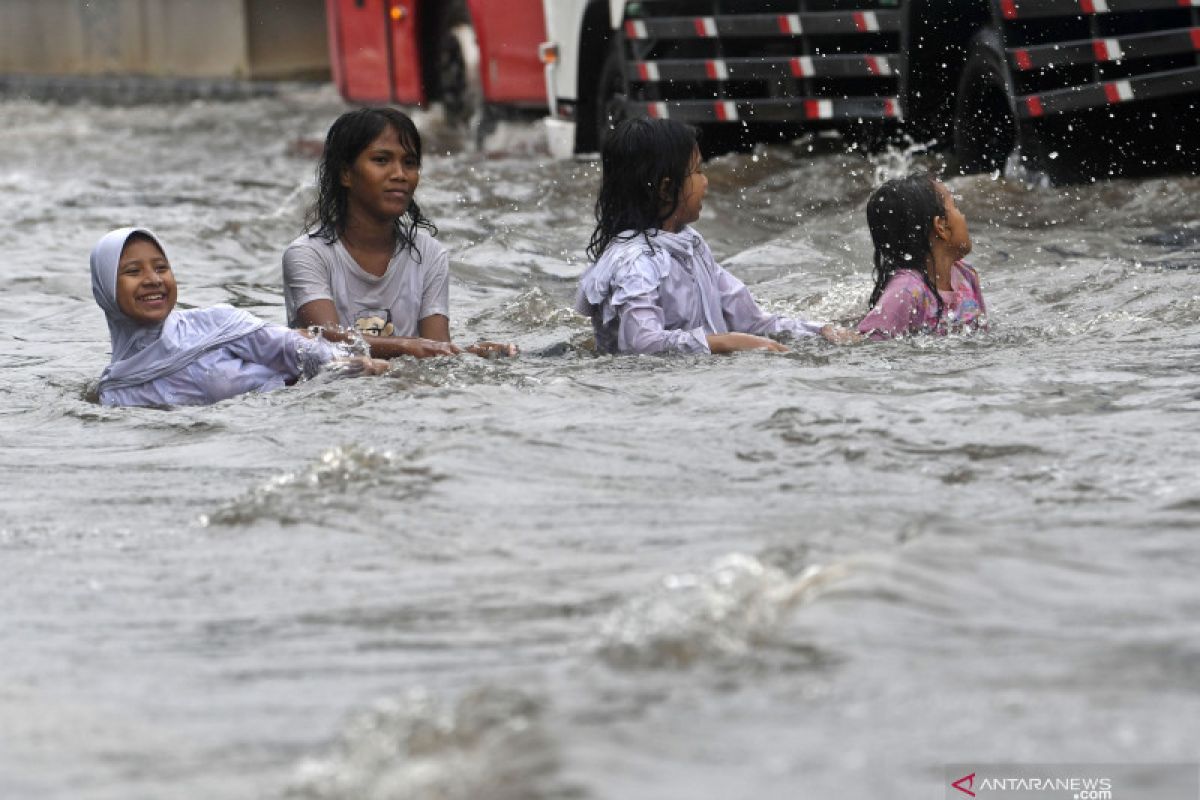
(724, 614)
(307, 494)
(349, 350)
(532, 308)
(899, 159)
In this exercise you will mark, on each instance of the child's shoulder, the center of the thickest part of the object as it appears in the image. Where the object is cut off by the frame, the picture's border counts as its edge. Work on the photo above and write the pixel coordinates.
(309, 242)
(626, 268)
(426, 245)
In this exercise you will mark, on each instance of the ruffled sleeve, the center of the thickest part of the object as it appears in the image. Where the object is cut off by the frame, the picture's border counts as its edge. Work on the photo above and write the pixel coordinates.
(620, 292)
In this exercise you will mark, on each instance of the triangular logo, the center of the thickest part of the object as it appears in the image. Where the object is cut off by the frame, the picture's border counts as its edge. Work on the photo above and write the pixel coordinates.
(969, 780)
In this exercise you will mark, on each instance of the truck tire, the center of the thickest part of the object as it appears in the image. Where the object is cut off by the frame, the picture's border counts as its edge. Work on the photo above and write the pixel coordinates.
(458, 67)
(985, 123)
(611, 96)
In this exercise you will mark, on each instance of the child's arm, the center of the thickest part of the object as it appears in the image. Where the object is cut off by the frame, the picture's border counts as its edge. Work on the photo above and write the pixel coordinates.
(641, 329)
(284, 350)
(737, 342)
(743, 313)
(295, 353)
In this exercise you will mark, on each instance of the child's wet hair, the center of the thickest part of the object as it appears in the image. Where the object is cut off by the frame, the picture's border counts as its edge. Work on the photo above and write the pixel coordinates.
(350, 134)
(900, 214)
(640, 158)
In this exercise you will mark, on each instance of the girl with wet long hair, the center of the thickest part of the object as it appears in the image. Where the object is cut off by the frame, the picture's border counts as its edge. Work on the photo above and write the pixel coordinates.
(921, 282)
(654, 286)
(369, 261)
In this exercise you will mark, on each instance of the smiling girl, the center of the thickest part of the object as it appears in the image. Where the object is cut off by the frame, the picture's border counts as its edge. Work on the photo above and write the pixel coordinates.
(162, 356)
(369, 260)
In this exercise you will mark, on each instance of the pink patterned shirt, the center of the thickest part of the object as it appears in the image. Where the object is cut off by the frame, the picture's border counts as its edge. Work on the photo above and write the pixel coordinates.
(908, 306)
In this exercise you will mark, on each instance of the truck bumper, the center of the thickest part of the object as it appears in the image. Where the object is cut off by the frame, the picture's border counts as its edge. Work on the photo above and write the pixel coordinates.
(560, 137)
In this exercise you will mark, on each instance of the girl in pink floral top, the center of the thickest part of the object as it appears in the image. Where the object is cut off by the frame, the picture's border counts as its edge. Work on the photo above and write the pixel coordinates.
(921, 282)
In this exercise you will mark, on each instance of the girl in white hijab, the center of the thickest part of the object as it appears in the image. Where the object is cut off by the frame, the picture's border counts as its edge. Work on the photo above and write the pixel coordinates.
(162, 356)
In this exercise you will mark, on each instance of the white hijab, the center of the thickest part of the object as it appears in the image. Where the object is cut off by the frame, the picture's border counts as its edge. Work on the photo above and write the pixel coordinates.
(142, 353)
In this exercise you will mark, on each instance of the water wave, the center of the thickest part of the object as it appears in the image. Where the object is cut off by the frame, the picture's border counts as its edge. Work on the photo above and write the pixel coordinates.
(490, 743)
(330, 487)
(721, 615)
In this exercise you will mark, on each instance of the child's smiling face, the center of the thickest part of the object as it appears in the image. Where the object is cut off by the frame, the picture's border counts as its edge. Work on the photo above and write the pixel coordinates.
(146, 290)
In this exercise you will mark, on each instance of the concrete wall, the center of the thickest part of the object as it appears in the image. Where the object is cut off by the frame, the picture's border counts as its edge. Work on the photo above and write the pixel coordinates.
(287, 39)
(257, 39)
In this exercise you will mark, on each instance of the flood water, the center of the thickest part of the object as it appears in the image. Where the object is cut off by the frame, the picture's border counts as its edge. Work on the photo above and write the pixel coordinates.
(824, 574)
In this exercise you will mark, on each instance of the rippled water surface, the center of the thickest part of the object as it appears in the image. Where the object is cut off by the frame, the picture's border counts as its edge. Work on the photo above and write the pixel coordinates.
(823, 574)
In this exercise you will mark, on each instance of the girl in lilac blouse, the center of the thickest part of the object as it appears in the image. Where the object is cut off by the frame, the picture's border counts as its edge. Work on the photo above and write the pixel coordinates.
(921, 283)
(654, 286)
(163, 356)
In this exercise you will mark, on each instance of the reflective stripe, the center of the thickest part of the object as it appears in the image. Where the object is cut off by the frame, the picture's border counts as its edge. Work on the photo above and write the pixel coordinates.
(866, 21)
(727, 110)
(818, 109)
(790, 23)
(706, 26)
(716, 69)
(635, 29)
(648, 70)
(657, 110)
(1118, 91)
(1107, 49)
(802, 66)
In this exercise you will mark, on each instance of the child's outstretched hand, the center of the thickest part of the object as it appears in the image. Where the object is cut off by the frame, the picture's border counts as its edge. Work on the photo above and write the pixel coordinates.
(833, 333)
(493, 350)
(735, 342)
(362, 365)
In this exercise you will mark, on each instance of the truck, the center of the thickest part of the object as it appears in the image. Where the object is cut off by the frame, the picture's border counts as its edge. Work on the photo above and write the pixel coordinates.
(1072, 89)
(474, 57)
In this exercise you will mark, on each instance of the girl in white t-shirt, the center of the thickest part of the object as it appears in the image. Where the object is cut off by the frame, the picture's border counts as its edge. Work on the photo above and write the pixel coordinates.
(369, 260)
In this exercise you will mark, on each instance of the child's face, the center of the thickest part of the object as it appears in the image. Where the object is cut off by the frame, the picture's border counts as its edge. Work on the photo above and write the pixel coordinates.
(691, 198)
(953, 234)
(146, 291)
(382, 180)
